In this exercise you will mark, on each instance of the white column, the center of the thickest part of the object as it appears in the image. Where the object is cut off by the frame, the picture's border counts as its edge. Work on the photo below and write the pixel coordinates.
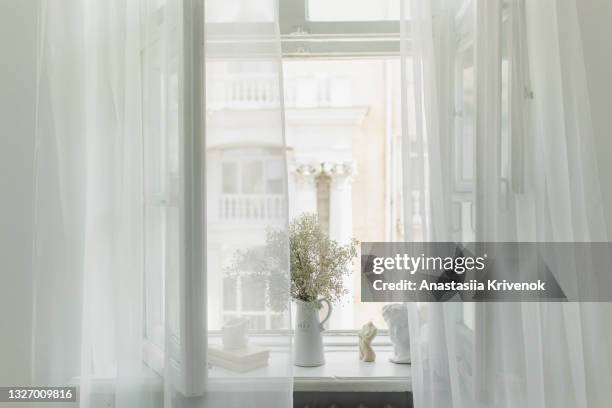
(340, 200)
(305, 189)
(341, 228)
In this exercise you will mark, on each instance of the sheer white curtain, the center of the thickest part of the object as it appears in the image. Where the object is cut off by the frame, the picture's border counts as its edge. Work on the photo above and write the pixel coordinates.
(134, 233)
(504, 152)
(246, 185)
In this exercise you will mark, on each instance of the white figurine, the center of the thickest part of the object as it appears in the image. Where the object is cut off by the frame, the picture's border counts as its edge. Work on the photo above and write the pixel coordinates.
(366, 335)
(396, 316)
(235, 333)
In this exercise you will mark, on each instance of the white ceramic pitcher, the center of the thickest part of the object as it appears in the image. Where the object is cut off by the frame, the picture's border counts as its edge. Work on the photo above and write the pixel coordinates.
(308, 346)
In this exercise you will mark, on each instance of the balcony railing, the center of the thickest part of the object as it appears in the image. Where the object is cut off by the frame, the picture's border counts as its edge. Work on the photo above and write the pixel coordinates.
(256, 91)
(251, 207)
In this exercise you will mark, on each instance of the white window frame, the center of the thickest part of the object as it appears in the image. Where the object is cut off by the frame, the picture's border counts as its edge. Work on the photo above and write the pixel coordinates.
(301, 37)
(184, 357)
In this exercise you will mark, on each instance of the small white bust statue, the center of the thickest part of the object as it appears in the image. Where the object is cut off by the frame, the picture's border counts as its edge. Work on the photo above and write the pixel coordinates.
(366, 335)
(396, 316)
(235, 333)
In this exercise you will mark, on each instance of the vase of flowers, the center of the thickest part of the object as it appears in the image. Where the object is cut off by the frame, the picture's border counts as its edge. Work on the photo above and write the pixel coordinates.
(318, 267)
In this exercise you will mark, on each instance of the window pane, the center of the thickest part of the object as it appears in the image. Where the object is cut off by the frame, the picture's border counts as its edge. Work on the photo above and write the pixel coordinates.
(253, 295)
(467, 114)
(153, 212)
(256, 322)
(229, 294)
(252, 177)
(353, 10)
(234, 11)
(279, 321)
(274, 177)
(230, 178)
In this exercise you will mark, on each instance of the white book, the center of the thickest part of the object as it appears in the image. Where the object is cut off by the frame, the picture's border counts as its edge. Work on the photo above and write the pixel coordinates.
(246, 355)
(239, 367)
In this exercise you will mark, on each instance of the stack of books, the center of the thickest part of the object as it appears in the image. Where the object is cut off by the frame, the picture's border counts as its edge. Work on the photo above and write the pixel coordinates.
(238, 360)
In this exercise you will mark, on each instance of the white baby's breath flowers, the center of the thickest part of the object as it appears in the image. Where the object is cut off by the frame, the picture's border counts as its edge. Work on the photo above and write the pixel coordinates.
(317, 263)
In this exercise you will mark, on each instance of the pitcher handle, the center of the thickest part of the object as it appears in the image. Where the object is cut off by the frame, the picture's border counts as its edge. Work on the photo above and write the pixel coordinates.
(329, 311)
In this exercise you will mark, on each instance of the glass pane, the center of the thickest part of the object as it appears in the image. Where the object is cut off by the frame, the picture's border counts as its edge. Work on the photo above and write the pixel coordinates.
(254, 295)
(464, 141)
(154, 212)
(229, 294)
(279, 321)
(252, 177)
(274, 177)
(353, 10)
(234, 11)
(230, 178)
(505, 102)
(174, 239)
(467, 114)
(256, 322)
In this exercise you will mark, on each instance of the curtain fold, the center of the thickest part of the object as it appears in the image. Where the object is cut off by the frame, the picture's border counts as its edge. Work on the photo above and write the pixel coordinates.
(115, 312)
(517, 109)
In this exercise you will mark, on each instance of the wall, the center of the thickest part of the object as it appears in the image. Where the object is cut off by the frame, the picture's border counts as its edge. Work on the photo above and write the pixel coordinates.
(17, 104)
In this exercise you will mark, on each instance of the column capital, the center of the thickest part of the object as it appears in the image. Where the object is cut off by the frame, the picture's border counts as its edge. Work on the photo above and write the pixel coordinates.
(305, 174)
(340, 173)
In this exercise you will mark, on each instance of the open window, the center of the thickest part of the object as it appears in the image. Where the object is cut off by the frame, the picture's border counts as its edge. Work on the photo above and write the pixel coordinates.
(173, 333)
(341, 92)
(342, 116)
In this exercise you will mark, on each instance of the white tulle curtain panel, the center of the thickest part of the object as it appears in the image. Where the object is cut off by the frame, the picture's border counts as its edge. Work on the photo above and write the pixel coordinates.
(503, 151)
(155, 170)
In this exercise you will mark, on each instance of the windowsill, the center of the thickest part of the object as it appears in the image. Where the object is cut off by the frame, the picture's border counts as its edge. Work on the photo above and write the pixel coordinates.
(342, 372)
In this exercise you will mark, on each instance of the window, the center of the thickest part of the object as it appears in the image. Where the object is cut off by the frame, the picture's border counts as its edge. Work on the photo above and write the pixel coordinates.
(161, 168)
(229, 173)
(249, 303)
(353, 10)
(342, 99)
(340, 114)
(252, 177)
(342, 119)
(247, 11)
(274, 177)
(310, 27)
